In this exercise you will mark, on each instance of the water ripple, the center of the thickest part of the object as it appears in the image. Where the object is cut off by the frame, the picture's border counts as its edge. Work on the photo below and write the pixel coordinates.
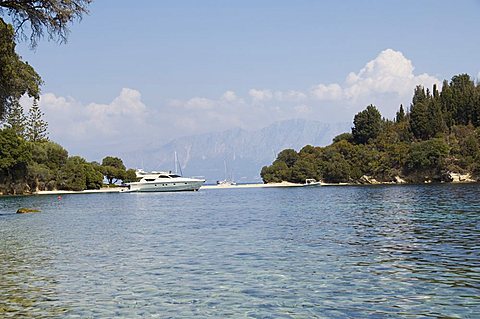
(333, 252)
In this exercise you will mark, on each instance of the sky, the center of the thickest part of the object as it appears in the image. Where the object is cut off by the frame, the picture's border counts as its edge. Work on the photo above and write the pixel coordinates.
(136, 76)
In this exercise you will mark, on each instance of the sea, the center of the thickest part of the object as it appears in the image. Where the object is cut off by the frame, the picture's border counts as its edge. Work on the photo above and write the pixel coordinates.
(408, 251)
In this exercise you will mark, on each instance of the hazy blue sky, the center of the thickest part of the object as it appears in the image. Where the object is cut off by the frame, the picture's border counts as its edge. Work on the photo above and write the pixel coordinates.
(146, 73)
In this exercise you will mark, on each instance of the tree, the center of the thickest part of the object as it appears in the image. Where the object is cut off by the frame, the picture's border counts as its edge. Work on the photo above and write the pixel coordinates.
(15, 154)
(93, 177)
(463, 97)
(17, 77)
(16, 119)
(130, 176)
(72, 175)
(419, 115)
(113, 169)
(366, 125)
(400, 117)
(427, 157)
(36, 130)
(275, 173)
(343, 137)
(52, 17)
(288, 156)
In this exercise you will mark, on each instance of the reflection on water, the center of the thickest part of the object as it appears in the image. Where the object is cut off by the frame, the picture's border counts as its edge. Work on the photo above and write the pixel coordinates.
(332, 252)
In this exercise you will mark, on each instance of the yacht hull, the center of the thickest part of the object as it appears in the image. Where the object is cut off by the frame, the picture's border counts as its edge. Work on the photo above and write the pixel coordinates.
(179, 186)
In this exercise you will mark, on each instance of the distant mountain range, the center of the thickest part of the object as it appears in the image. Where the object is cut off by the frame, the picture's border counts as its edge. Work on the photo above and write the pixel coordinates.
(244, 153)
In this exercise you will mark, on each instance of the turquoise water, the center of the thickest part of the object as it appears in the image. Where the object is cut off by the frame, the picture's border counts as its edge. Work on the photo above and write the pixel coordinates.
(328, 252)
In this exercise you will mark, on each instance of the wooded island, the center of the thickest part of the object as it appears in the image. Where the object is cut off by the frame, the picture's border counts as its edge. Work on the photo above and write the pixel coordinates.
(436, 138)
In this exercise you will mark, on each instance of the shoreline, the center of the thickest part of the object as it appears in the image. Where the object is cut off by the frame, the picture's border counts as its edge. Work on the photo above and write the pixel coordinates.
(238, 186)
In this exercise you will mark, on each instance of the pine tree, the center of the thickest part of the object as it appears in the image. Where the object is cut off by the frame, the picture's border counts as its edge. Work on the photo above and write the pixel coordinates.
(36, 130)
(16, 119)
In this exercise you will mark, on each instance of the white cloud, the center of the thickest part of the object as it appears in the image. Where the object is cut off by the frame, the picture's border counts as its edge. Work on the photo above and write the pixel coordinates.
(260, 95)
(390, 72)
(291, 95)
(229, 96)
(200, 103)
(387, 81)
(95, 126)
(327, 92)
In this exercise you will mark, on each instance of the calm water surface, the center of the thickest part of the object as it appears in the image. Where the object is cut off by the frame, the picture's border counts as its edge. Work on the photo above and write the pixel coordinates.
(328, 252)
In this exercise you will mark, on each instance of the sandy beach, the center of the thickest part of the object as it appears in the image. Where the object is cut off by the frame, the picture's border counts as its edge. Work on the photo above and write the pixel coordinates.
(204, 187)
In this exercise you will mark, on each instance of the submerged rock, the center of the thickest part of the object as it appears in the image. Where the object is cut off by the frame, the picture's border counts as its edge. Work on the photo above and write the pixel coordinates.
(24, 210)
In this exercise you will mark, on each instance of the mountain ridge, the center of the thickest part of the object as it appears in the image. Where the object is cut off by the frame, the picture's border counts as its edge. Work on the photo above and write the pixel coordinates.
(243, 152)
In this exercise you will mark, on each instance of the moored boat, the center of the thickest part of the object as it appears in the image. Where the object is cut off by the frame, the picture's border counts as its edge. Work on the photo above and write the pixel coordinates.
(163, 182)
(312, 182)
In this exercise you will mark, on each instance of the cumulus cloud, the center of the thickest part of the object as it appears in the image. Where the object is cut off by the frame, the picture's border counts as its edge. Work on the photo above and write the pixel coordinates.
(81, 127)
(389, 72)
(386, 81)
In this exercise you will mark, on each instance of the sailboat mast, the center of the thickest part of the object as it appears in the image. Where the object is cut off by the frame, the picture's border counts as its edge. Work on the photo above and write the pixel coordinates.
(176, 163)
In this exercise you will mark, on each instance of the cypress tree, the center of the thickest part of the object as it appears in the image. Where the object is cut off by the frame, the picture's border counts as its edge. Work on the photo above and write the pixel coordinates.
(419, 117)
(400, 115)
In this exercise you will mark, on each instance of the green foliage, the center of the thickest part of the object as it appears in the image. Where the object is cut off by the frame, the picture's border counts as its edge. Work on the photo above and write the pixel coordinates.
(93, 176)
(15, 154)
(366, 125)
(401, 116)
(16, 118)
(343, 137)
(14, 151)
(113, 169)
(427, 158)
(72, 175)
(17, 77)
(288, 156)
(77, 174)
(130, 176)
(113, 161)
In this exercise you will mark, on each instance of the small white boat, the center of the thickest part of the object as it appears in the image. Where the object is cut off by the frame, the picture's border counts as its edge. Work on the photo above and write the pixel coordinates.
(163, 182)
(226, 182)
(312, 182)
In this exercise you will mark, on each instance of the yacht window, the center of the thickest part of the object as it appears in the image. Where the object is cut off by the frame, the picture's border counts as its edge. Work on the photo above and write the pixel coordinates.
(163, 176)
(149, 179)
(174, 175)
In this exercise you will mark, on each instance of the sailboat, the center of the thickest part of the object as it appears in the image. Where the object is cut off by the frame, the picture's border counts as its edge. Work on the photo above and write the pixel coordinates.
(226, 181)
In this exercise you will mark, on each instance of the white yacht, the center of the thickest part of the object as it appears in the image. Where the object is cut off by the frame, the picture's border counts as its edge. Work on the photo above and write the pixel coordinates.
(163, 182)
